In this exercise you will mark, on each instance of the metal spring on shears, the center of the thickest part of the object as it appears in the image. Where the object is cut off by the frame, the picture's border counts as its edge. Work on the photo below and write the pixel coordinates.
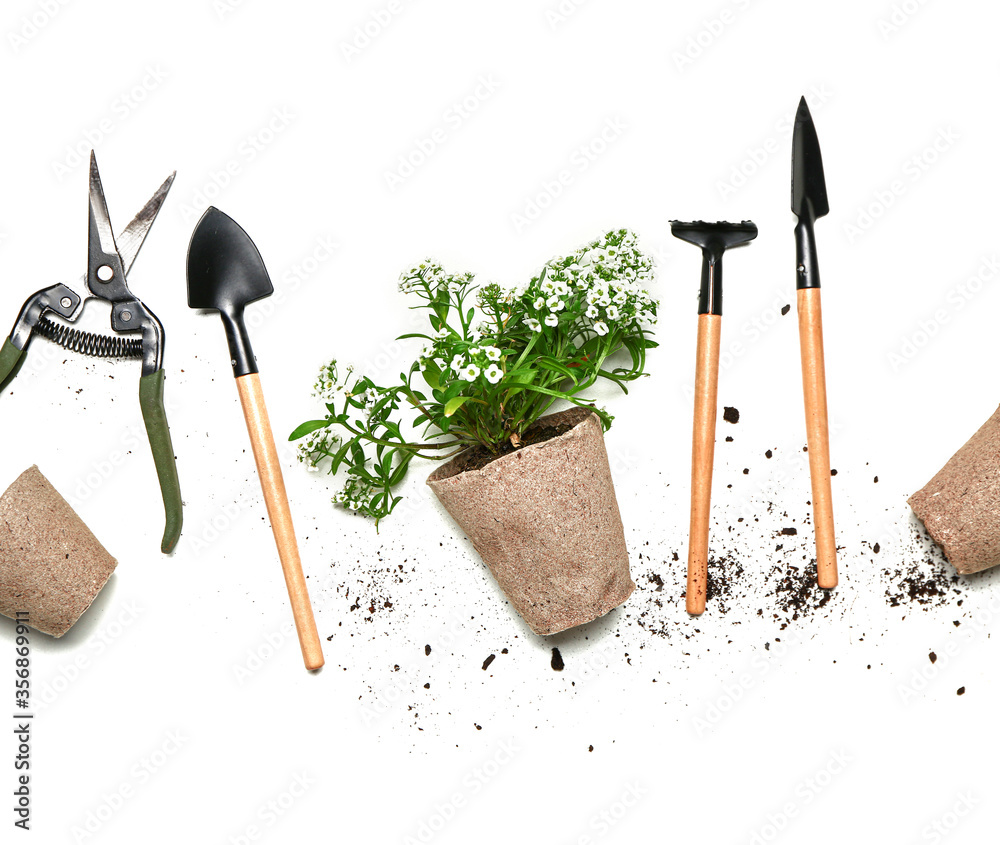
(88, 343)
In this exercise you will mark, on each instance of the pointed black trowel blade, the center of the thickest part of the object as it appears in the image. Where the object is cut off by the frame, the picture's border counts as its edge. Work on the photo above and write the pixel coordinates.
(808, 182)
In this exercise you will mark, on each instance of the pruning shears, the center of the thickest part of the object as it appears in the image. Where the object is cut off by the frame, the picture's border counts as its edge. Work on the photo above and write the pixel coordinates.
(138, 332)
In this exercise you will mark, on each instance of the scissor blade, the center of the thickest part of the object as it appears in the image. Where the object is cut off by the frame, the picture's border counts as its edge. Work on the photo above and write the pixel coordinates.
(132, 236)
(100, 220)
(808, 182)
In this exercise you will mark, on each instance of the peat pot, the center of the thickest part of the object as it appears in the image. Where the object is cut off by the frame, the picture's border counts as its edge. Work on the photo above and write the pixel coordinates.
(545, 520)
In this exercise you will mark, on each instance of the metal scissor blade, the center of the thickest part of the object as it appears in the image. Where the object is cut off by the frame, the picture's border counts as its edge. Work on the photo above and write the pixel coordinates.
(105, 273)
(100, 220)
(131, 238)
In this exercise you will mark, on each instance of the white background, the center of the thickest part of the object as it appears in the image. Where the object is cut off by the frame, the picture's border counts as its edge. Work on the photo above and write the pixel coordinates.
(178, 707)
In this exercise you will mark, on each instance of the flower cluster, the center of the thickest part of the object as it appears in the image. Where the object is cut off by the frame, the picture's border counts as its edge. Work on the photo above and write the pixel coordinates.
(597, 290)
(354, 494)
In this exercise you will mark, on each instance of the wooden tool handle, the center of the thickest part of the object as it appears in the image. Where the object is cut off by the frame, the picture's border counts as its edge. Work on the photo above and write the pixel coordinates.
(706, 398)
(269, 470)
(817, 433)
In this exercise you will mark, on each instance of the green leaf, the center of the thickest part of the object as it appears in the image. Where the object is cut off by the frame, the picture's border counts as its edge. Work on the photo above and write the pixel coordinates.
(454, 404)
(308, 428)
(432, 375)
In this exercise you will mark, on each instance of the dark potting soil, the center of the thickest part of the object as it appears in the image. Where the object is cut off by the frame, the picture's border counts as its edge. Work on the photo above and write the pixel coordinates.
(480, 456)
(557, 660)
(731, 415)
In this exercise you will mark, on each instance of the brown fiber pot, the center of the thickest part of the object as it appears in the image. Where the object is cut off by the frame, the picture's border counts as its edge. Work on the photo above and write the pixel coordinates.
(545, 521)
(51, 566)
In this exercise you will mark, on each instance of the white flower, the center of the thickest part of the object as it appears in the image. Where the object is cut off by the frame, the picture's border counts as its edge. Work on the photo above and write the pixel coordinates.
(492, 353)
(555, 304)
(621, 297)
(540, 302)
(561, 288)
(612, 312)
(533, 324)
(548, 286)
(604, 300)
(470, 373)
(457, 363)
(493, 374)
(601, 328)
(473, 351)
(592, 311)
(442, 333)
(552, 320)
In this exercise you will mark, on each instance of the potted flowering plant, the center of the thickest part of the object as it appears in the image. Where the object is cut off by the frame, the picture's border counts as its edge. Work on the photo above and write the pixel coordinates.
(533, 492)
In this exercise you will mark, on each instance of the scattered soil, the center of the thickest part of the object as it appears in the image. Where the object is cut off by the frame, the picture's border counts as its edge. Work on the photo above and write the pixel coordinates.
(557, 661)
(731, 415)
(488, 661)
(925, 581)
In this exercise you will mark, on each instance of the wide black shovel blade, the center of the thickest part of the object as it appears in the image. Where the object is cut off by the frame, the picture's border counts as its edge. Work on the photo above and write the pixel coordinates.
(225, 272)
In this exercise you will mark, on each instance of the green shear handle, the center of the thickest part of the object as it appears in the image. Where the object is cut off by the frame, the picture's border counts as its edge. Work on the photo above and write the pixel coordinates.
(10, 361)
(155, 418)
